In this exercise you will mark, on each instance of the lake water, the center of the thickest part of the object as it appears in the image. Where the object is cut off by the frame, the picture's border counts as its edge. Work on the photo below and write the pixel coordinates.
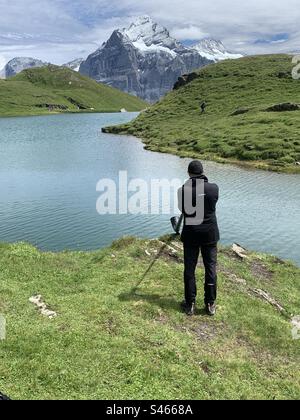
(49, 168)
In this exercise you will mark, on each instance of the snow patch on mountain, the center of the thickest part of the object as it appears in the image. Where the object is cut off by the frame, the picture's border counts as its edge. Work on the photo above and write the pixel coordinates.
(150, 37)
(214, 50)
(74, 64)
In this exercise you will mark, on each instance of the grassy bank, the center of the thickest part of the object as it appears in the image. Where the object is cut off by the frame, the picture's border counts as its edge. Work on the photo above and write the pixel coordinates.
(113, 342)
(53, 89)
(239, 126)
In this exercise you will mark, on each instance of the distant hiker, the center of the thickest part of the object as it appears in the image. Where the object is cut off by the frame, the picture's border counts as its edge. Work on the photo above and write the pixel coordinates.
(199, 237)
(203, 107)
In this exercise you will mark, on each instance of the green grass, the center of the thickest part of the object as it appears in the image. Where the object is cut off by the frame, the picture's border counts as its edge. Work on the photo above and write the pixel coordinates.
(112, 342)
(29, 92)
(266, 140)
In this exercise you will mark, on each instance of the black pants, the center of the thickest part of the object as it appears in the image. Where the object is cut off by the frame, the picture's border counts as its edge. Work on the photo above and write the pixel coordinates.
(191, 256)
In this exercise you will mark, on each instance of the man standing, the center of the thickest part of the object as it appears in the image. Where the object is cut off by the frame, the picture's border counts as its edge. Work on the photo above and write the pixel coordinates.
(199, 236)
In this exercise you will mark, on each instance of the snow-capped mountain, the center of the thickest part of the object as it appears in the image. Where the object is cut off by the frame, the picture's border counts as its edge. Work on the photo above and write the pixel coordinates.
(148, 36)
(143, 60)
(18, 64)
(75, 64)
(214, 50)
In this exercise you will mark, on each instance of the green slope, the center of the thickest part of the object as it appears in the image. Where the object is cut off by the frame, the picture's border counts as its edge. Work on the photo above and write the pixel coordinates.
(57, 89)
(269, 140)
(109, 341)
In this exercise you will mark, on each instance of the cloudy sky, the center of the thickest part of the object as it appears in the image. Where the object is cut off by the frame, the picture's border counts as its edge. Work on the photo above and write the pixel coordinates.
(61, 30)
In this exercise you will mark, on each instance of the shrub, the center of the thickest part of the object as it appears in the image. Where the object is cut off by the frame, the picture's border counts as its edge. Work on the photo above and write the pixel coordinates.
(287, 159)
(272, 154)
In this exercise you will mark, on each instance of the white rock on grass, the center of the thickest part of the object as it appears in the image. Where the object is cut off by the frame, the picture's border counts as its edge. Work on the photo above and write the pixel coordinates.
(296, 327)
(239, 251)
(42, 307)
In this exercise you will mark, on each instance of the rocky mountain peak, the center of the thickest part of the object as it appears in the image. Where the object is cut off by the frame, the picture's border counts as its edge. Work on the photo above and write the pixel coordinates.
(144, 28)
(145, 34)
(146, 61)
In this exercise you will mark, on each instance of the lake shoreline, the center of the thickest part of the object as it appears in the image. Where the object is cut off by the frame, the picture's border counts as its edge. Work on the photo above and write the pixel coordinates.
(223, 248)
(251, 117)
(254, 165)
(49, 114)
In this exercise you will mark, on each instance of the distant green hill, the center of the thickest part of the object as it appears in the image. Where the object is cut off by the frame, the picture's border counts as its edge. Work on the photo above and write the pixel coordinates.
(238, 125)
(56, 89)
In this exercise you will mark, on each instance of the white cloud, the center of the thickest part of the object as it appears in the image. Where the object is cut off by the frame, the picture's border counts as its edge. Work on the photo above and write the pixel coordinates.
(59, 30)
(188, 32)
(2, 61)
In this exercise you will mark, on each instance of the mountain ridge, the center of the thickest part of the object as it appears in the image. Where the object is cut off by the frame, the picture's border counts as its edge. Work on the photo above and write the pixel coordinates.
(18, 64)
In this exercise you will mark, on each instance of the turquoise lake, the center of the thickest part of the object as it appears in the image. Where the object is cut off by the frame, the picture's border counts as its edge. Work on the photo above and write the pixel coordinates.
(49, 168)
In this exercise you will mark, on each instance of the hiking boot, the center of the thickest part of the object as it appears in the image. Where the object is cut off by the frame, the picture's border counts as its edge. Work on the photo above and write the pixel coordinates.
(189, 309)
(211, 309)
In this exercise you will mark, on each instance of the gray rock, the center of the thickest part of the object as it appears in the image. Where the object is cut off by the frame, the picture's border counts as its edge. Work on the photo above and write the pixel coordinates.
(240, 111)
(53, 107)
(283, 107)
(284, 75)
(185, 80)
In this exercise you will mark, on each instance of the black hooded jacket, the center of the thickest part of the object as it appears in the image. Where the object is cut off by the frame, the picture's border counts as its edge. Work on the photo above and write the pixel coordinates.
(206, 233)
